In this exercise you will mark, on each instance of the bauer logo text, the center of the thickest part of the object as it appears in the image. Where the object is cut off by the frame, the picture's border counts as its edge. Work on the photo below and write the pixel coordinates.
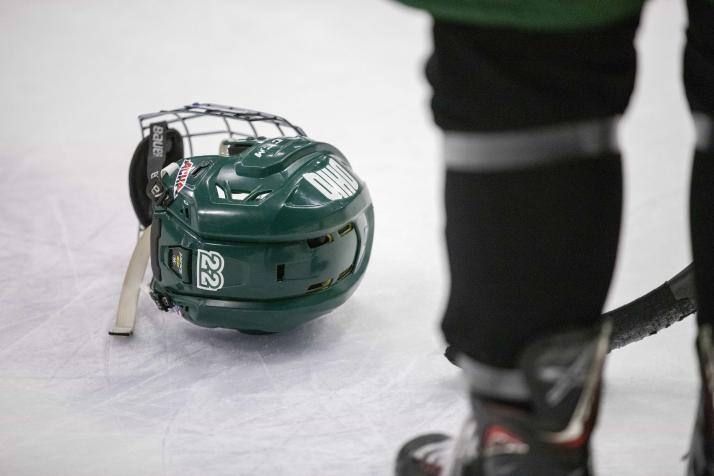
(157, 141)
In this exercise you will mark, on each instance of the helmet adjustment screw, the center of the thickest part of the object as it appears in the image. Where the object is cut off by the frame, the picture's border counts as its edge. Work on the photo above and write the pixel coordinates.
(162, 301)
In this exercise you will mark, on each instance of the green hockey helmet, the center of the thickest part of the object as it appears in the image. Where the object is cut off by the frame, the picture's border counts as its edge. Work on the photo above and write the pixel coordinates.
(268, 234)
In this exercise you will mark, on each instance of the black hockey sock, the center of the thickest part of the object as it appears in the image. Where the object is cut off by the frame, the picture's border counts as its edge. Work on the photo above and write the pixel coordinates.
(702, 229)
(530, 251)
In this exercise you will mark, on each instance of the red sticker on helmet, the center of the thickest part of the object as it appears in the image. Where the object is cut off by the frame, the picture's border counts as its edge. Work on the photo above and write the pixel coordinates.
(182, 176)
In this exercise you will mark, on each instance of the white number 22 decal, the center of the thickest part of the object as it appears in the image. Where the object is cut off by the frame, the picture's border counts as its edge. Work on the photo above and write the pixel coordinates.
(209, 272)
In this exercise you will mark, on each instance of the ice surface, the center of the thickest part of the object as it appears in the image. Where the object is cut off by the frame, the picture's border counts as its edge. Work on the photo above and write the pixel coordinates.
(339, 395)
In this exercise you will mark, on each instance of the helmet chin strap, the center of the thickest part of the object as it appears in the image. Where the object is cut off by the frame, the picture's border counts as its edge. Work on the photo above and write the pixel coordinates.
(155, 190)
(134, 277)
(133, 281)
(157, 149)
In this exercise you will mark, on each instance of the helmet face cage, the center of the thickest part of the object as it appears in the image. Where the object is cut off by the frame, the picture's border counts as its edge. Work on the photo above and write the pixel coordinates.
(271, 261)
(205, 120)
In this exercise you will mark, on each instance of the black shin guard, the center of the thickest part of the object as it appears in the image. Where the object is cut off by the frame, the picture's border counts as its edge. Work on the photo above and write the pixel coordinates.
(698, 75)
(530, 251)
(702, 228)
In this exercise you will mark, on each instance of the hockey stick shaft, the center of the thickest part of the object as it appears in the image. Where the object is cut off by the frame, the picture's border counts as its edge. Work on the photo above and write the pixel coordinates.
(656, 310)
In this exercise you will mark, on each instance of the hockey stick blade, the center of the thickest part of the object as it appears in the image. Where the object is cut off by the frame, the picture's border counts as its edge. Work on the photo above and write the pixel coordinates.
(126, 312)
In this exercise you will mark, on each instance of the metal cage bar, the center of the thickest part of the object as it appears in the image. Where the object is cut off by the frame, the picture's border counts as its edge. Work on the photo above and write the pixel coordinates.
(228, 114)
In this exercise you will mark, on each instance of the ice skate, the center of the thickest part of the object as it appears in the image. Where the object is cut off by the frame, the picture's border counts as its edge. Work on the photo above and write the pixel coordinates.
(701, 454)
(532, 421)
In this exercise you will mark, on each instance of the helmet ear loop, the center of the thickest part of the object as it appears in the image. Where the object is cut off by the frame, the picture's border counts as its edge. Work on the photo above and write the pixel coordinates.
(174, 149)
(139, 182)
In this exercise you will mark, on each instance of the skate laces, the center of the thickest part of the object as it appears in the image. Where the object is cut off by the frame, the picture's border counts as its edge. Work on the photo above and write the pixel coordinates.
(463, 450)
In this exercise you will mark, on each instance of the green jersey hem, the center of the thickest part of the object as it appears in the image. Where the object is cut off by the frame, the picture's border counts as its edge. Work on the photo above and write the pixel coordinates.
(547, 15)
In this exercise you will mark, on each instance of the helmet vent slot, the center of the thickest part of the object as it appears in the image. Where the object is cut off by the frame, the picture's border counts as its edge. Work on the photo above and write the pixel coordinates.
(345, 273)
(261, 196)
(280, 272)
(234, 147)
(221, 193)
(319, 286)
(345, 229)
(319, 241)
(200, 168)
(240, 196)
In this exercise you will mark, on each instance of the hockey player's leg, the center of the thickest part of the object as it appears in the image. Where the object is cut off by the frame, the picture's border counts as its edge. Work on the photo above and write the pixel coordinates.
(701, 456)
(699, 82)
(533, 199)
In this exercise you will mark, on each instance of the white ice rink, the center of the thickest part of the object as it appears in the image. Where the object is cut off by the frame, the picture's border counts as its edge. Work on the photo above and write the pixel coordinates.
(339, 395)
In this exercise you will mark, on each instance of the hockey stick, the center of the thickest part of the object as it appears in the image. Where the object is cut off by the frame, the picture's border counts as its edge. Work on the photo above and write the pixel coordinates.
(658, 309)
(126, 313)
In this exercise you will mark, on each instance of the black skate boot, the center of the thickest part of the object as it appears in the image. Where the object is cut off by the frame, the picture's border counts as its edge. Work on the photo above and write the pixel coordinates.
(701, 454)
(535, 420)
